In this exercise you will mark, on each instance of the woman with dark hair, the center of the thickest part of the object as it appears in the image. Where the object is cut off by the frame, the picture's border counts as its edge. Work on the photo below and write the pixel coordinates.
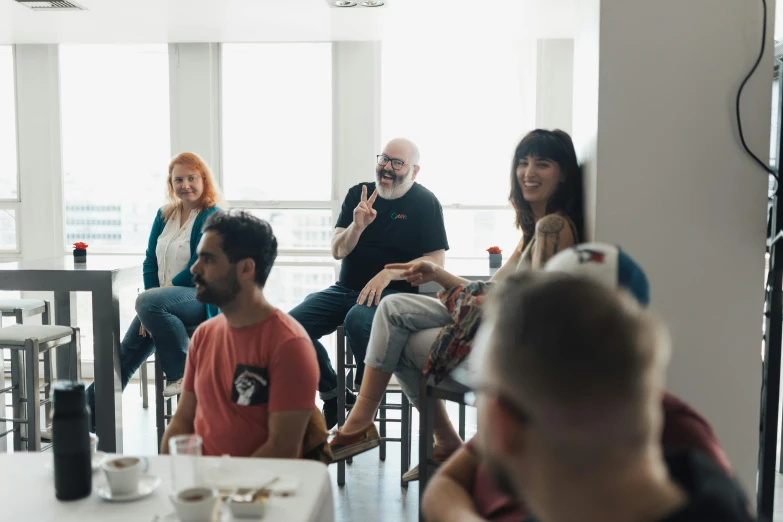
(168, 304)
(546, 192)
(546, 181)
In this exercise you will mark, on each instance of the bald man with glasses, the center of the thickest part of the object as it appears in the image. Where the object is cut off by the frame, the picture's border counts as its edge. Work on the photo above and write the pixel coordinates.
(391, 220)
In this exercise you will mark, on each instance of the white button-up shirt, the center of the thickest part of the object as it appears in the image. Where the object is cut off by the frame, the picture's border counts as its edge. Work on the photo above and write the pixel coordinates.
(173, 248)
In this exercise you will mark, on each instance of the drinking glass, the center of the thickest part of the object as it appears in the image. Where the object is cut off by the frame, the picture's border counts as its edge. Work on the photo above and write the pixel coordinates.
(185, 451)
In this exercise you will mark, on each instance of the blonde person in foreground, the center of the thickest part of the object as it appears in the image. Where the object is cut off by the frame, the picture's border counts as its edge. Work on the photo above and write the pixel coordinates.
(571, 423)
(464, 487)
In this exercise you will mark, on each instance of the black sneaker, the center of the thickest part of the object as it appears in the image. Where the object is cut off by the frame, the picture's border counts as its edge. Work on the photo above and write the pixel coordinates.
(330, 408)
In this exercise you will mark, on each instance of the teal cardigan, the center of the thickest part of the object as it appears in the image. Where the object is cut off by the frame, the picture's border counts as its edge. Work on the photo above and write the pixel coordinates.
(184, 278)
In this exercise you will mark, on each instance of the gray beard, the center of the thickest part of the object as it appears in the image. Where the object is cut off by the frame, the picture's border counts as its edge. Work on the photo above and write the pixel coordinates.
(398, 189)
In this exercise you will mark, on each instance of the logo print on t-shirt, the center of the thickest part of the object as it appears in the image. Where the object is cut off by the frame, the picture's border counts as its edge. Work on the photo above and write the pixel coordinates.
(397, 215)
(250, 386)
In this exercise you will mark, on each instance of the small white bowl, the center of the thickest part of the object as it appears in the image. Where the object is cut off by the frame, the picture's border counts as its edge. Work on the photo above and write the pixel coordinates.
(253, 509)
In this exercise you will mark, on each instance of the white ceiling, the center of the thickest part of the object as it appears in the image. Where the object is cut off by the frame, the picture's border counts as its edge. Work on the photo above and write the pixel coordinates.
(159, 21)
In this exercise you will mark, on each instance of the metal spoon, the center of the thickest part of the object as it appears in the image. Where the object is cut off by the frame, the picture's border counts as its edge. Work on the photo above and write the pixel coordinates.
(247, 494)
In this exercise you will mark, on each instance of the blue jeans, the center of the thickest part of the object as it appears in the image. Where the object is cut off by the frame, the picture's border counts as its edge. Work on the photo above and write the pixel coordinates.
(164, 312)
(321, 313)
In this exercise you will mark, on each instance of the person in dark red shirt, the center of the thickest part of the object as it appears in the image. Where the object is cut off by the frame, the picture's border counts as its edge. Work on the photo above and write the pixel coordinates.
(464, 489)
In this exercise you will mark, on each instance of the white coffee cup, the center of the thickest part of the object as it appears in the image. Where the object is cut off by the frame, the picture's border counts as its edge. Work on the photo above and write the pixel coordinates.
(123, 474)
(195, 504)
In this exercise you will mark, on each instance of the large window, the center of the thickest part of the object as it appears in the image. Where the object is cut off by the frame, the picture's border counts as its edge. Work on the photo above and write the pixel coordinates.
(465, 106)
(116, 145)
(297, 229)
(277, 121)
(116, 150)
(9, 186)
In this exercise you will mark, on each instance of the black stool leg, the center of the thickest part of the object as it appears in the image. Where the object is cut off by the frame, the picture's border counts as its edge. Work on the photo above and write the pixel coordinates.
(32, 395)
(381, 416)
(462, 421)
(160, 421)
(426, 433)
(17, 382)
(405, 436)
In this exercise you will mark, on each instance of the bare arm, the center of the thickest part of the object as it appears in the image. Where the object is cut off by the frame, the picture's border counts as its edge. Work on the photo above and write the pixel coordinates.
(553, 235)
(447, 497)
(438, 258)
(182, 423)
(345, 240)
(371, 293)
(448, 280)
(286, 434)
(426, 269)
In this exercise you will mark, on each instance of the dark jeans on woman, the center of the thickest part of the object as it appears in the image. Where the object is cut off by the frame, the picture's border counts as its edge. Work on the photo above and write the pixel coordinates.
(321, 313)
(165, 313)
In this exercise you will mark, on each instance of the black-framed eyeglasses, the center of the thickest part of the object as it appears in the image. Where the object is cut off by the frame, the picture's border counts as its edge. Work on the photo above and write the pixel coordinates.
(384, 160)
(507, 402)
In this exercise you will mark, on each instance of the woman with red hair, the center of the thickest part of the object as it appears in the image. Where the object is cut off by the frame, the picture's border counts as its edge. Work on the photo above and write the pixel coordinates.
(168, 305)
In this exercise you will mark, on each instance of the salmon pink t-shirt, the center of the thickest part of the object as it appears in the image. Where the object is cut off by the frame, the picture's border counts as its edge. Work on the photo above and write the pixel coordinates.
(239, 375)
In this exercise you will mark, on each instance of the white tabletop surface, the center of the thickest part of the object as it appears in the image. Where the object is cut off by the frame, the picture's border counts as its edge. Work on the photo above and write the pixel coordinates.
(27, 490)
(93, 262)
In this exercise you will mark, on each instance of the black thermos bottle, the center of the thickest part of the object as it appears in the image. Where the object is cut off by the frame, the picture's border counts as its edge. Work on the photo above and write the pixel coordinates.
(71, 441)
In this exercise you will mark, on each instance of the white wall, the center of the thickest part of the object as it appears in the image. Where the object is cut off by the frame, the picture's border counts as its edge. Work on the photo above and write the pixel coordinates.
(356, 80)
(38, 142)
(673, 186)
(194, 101)
(554, 84)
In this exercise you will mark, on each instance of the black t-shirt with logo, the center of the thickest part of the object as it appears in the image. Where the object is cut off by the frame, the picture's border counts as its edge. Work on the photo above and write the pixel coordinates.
(404, 229)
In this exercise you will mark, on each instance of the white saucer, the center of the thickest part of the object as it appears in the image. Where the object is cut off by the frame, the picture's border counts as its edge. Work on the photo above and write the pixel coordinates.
(147, 484)
(97, 460)
(224, 515)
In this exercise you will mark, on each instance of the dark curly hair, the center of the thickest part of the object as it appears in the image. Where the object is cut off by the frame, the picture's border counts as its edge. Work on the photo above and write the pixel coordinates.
(568, 199)
(245, 236)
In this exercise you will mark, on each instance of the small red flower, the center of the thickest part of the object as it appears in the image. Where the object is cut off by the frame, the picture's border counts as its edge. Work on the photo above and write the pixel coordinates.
(80, 246)
(494, 250)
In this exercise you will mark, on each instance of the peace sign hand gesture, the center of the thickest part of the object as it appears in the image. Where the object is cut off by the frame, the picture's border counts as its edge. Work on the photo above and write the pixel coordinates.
(364, 214)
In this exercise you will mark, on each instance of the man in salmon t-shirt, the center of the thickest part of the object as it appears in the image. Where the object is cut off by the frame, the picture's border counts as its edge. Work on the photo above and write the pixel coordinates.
(251, 373)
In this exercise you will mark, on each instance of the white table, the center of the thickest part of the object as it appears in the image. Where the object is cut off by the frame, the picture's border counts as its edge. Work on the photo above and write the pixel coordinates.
(27, 491)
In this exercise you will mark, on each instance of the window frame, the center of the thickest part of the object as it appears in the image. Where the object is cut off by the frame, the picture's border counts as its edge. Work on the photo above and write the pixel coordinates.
(14, 204)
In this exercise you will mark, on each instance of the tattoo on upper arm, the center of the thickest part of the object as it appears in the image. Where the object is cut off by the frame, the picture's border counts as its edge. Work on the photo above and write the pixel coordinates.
(549, 235)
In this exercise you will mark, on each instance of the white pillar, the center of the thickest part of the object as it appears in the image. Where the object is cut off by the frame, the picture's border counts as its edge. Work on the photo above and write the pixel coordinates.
(356, 86)
(654, 88)
(554, 83)
(194, 88)
(40, 158)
